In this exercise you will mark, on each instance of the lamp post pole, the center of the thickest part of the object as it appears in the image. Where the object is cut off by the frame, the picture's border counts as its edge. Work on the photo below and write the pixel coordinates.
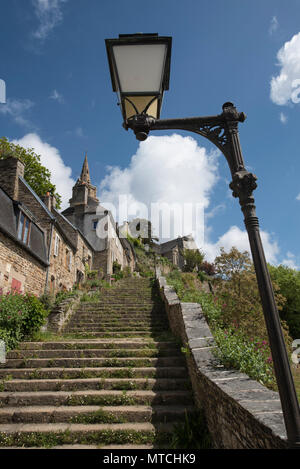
(222, 130)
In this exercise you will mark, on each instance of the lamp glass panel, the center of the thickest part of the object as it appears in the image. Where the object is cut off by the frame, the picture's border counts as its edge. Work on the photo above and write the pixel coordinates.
(140, 67)
(140, 103)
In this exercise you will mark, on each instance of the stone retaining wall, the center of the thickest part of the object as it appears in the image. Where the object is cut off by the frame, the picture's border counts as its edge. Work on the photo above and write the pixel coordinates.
(60, 316)
(240, 412)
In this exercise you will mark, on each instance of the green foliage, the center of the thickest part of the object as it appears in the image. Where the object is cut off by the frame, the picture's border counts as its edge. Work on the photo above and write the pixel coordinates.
(237, 294)
(193, 259)
(33, 316)
(20, 316)
(92, 298)
(93, 282)
(118, 275)
(288, 281)
(37, 176)
(135, 241)
(232, 263)
(252, 357)
(48, 300)
(116, 267)
(192, 433)
(234, 315)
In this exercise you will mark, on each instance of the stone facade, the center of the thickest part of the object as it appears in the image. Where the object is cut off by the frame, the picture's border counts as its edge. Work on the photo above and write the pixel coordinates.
(66, 251)
(20, 268)
(240, 412)
(174, 249)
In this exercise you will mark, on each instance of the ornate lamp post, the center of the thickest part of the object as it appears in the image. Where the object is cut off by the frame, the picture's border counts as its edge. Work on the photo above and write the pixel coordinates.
(140, 69)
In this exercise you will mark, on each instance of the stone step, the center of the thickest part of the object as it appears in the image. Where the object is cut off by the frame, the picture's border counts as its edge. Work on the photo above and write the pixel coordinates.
(112, 328)
(122, 316)
(92, 362)
(80, 373)
(92, 353)
(94, 397)
(116, 306)
(95, 332)
(33, 385)
(93, 414)
(57, 434)
(95, 344)
(108, 319)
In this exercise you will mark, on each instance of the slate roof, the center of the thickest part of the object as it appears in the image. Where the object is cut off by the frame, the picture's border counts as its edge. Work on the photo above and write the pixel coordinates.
(9, 215)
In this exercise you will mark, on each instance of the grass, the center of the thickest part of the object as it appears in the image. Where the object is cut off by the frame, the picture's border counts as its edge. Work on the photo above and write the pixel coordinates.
(104, 437)
(296, 375)
(100, 416)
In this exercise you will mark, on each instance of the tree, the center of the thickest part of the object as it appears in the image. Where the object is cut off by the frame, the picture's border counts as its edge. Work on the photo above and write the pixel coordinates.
(37, 176)
(288, 281)
(232, 263)
(238, 294)
(193, 259)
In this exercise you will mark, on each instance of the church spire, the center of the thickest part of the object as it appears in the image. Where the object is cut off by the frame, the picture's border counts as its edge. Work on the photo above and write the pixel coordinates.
(85, 172)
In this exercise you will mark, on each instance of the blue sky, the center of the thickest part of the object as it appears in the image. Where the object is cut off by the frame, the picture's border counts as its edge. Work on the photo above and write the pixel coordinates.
(60, 101)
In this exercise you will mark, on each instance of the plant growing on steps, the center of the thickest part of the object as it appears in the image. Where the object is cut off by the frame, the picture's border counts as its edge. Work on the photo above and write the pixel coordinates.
(192, 433)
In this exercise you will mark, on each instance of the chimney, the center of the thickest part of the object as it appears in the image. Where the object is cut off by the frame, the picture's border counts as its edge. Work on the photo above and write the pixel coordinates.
(49, 200)
(10, 170)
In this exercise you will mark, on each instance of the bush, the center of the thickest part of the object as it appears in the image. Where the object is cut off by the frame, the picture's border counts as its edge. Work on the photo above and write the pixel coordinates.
(20, 317)
(116, 267)
(208, 268)
(34, 315)
(288, 281)
(252, 357)
(48, 300)
(193, 259)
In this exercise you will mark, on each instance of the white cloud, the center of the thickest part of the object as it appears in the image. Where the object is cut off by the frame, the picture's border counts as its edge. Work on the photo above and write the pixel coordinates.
(51, 159)
(290, 261)
(175, 170)
(273, 25)
(56, 96)
(16, 108)
(49, 14)
(169, 169)
(283, 118)
(239, 239)
(285, 87)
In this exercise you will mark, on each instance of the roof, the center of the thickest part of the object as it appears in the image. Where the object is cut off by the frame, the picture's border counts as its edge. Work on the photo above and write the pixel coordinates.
(77, 230)
(9, 224)
(170, 245)
(37, 197)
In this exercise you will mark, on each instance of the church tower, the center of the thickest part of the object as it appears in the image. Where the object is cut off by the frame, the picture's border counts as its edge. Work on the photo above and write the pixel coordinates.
(84, 193)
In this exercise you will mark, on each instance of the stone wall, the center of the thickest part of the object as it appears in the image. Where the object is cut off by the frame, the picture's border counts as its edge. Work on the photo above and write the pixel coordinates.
(240, 412)
(61, 315)
(62, 271)
(16, 263)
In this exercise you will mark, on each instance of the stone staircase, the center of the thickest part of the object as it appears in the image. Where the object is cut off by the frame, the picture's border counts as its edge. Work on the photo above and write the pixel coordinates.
(115, 378)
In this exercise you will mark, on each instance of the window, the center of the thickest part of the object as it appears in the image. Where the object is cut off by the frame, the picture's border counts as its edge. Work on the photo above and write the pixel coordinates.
(24, 228)
(56, 245)
(95, 223)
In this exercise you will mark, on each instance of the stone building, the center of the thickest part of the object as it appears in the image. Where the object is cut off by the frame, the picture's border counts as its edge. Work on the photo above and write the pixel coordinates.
(42, 249)
(23, 252)
(174, 249)
(98, 226)
(39, 250)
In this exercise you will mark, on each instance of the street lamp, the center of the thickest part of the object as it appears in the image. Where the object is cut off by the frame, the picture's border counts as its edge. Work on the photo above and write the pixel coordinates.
(141, 69)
